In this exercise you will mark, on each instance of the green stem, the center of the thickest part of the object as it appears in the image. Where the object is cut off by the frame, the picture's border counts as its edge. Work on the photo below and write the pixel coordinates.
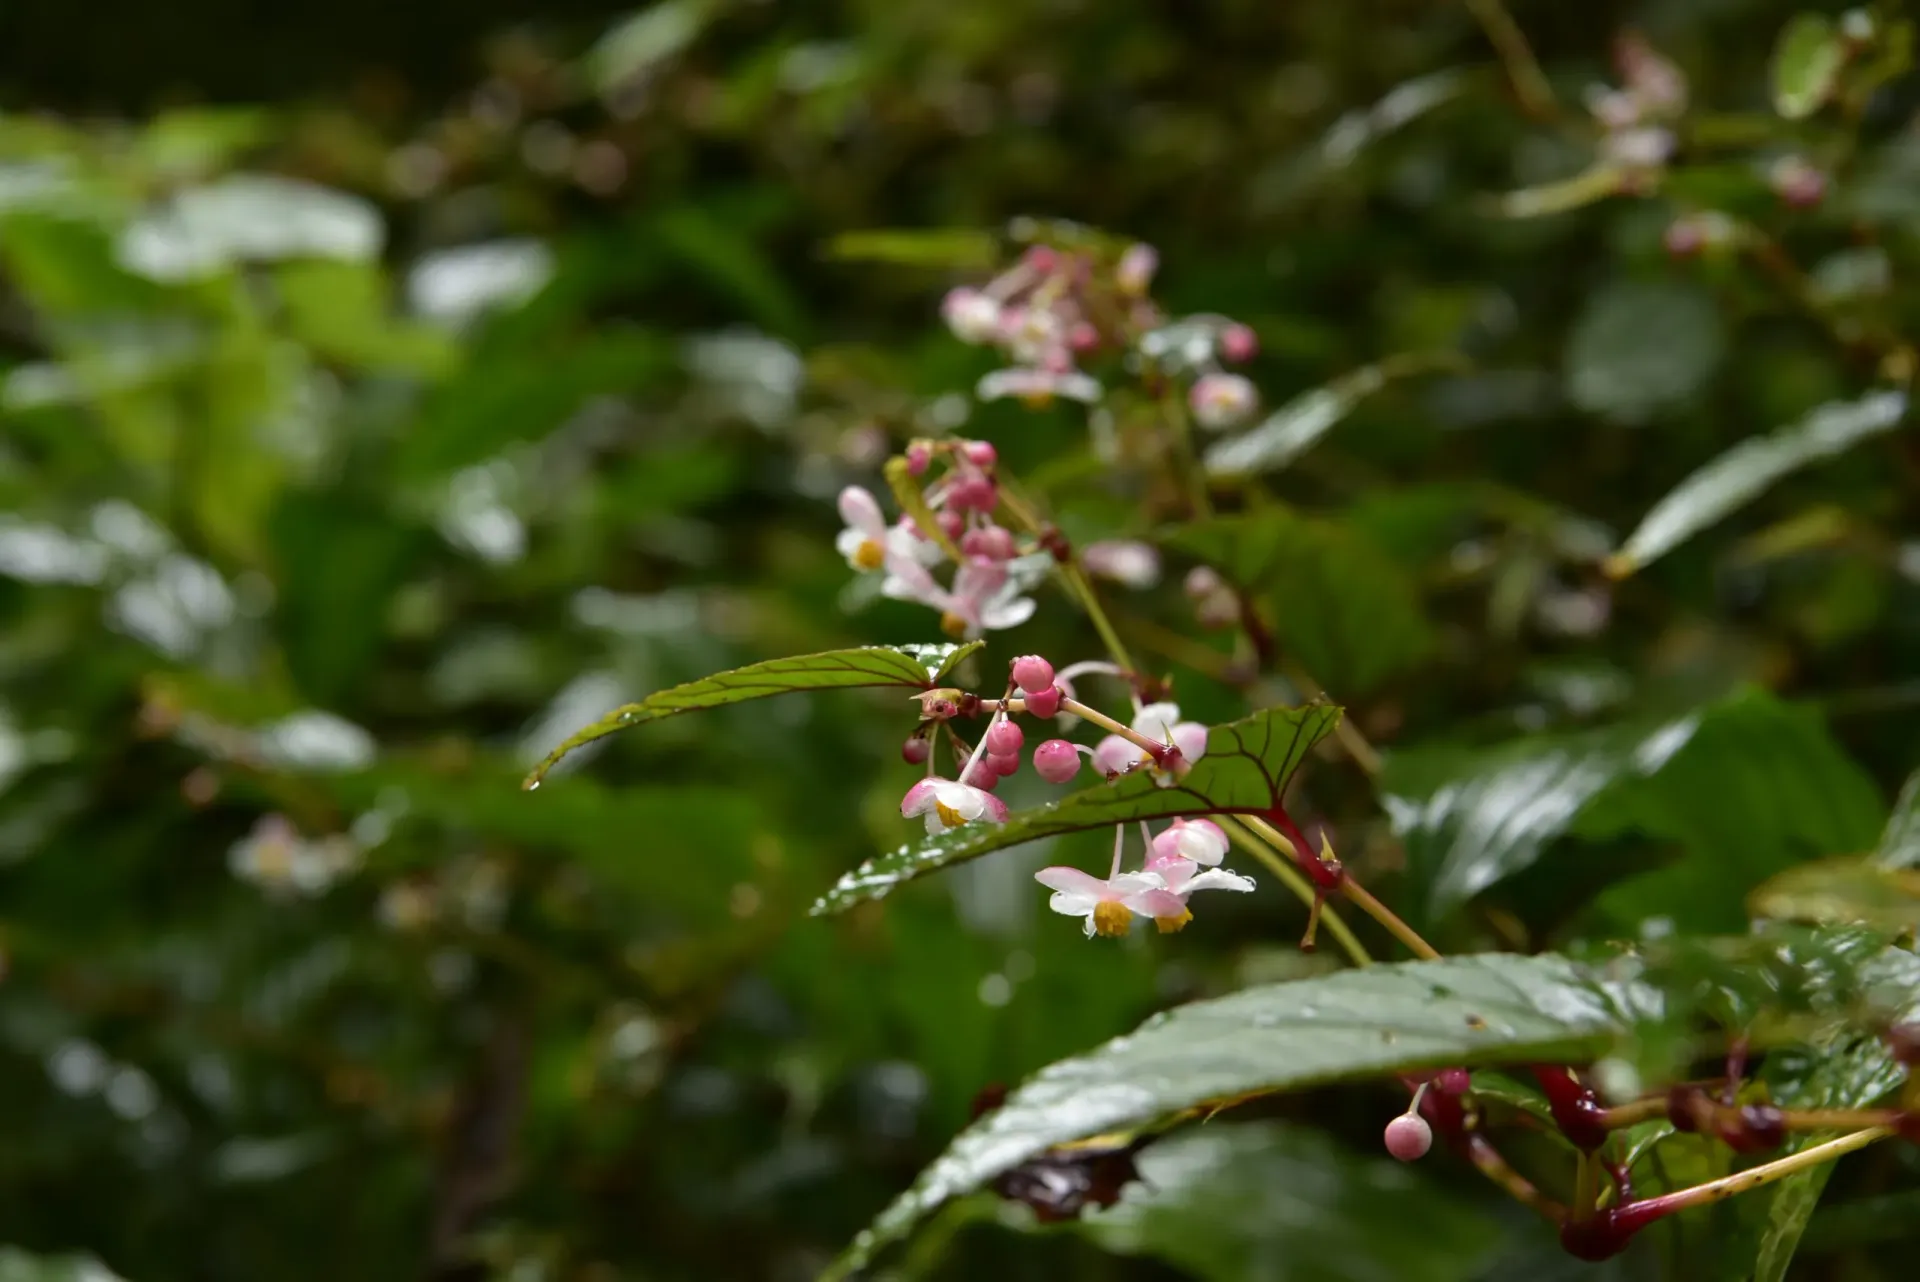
(1372, 907)
(1516, 55)
(1293, 880)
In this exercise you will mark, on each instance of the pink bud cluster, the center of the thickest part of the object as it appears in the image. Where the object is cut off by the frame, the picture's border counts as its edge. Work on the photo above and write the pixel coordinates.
(984, 592)
(1052, 311)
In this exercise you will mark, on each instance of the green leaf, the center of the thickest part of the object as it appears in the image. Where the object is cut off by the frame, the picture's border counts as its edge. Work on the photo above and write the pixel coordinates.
(1749, 783)
(17, 1265)
(244, 218)
(1642, 347)
(1807, 62)
(1900, 842)
(913, 501)
(1855, 1076)
(920, 667)
(1270, 1202)
(1246, 769)
(1745, 471)
(948, 248)
(1290, 430)
(1485, 1009)
(1341, 606)
(637, 44)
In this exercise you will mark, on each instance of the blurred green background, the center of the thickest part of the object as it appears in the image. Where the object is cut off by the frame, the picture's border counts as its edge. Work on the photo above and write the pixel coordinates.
(387, 390)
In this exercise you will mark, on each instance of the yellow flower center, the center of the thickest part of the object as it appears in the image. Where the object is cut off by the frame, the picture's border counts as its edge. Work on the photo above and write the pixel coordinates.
(1111, 919)
(948, 815)
(1038, 400)
(1168, 925)
(869, 556)
(953, 625)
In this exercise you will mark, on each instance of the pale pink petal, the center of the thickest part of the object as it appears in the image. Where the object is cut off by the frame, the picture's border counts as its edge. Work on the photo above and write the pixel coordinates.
(996, 811)
(1156, 720)
(1175, 872)
(1128, 883)
(920, 798)
(1072, 881)
(1200, 840)
(1006, 613)
(1114, 754)
(861, 511)
(1191, 738)
(1156, 903)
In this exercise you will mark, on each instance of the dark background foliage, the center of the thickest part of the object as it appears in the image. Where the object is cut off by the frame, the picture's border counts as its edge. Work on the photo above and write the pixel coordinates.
(284, 542)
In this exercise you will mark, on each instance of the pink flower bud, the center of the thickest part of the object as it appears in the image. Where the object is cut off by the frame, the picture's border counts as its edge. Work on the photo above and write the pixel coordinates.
(1056, 761)
(1044, 703)
(1452, 1081)
(953, 524)
(1004, 738)
(915, 751)
(1003, 764)
(1409, 1137)
(1237, 343)
(1033, 674)
(1798, 184)
(1042, 258)
(982, 775)
(919, 457)
(975, 493)
(1202, 581)
(981, 453)
(1083, 338)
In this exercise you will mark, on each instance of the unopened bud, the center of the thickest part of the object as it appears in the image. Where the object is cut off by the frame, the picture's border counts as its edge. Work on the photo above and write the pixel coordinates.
(1409, 1137)
(1032, 673)
(915, 751)
(1056, 761)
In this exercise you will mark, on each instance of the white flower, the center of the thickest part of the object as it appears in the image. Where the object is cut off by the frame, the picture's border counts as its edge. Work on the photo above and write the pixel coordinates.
(865, 540)
(1109, 905)
(946, 804)
(1222, 400)
(1126, 561)
(971, 315)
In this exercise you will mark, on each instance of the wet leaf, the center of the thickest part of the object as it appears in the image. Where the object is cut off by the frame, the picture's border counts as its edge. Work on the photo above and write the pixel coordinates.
(1288, 432)
(947, 248)
(1745, 471)
(1750, 783)
(244, 218)
(1486, 1009)
(1843, 892)
(1900, 843)
(1806, 65)
(918, 667)
(1340, 606)
(1269, 1202)
(1246, 769)
(1641, 348)
(1855, 1075)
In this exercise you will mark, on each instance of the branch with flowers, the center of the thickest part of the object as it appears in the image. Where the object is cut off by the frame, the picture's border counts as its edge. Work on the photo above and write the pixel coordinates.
(1074, 318)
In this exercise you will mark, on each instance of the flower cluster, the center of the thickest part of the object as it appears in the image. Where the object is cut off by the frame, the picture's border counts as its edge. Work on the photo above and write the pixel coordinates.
(1182, 859)
(1160, 890)
(1637, 118)
(991, 578)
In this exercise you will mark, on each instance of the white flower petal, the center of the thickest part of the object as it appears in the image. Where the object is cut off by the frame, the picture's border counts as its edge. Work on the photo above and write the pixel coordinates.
(1218, 879)
(1068, 904)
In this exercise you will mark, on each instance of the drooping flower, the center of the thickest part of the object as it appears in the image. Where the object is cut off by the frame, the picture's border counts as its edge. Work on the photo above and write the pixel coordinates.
(1162, 723)
(1182, 876)
(985, 598)
(1199, 841)
(946, 804)
(1222, 400)
(1109, 904)
(864, 541)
